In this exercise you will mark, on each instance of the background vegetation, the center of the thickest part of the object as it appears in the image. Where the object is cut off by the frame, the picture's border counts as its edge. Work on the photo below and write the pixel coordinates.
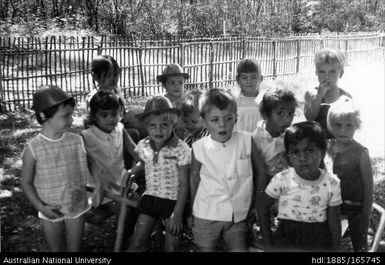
(192, 18)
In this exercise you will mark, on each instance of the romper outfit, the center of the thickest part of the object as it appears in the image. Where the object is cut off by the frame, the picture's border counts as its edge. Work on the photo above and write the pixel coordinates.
(346, 165)
(61, 173)
(302, 211)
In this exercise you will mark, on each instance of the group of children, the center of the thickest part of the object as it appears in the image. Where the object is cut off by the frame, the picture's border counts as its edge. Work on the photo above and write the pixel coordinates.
(210, 160)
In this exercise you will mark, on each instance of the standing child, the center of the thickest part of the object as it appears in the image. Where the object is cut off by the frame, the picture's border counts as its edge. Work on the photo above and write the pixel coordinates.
(308, 197)
(224, 169)
(106, 140)
(173, 80)
(165, 159)
(55, 172)
(193, 122)
(249, 78)
(277, 108)
(329, 64)
(353, 167)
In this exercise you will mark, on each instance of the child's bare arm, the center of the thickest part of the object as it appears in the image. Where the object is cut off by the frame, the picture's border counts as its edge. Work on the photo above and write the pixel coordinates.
(176, 222)
(313, 104)
(367, 187)
(194, 177)
(334, 223)
(264, 218)
(27, 177)
(130, 145)
(259, 173)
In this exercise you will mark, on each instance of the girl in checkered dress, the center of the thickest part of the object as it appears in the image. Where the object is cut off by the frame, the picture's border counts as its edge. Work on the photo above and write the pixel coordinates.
(54, 171)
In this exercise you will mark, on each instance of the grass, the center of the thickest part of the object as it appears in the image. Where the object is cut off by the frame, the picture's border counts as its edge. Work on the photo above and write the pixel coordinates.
(20, 229)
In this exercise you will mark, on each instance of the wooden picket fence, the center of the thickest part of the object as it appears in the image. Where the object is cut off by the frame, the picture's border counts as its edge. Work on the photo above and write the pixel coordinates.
(27, 63)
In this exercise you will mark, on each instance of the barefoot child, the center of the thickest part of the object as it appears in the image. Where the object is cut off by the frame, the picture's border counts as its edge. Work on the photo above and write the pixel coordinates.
(308, 197)
(55, 172)
(165, 159)
(352, 165)
(224, 170)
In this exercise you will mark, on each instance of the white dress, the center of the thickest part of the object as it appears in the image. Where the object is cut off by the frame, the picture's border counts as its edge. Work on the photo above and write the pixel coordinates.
(248, 113)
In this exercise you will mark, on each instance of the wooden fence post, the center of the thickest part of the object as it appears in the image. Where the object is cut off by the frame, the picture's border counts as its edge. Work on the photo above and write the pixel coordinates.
(141, 68)
(243, 47)
(211, 56)
(181, 56)
(274, 58)
(298, 55)
(346, 49)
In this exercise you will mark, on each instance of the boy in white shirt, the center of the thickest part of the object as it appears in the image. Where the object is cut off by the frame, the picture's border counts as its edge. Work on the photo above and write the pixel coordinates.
(224, 169)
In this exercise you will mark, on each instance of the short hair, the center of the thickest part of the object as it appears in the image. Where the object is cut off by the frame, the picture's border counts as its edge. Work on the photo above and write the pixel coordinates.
(218, 97)
(329, 56)
(342, 108)
(104, 100)
(50, 112)
(305, 130)
(248, 65)
(101, 63)
(273, 96)
(169, 117)
(190, 102)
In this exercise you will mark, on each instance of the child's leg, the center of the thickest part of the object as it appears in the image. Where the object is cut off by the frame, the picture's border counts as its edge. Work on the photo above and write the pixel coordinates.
(54, 234)
(171, 242)
(235, 236)
(74, 233)
(358, 234)
(143, 228)
(206, 234)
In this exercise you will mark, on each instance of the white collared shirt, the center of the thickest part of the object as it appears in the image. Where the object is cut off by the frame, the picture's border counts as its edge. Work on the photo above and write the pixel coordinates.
(105, 151)
(226, 183)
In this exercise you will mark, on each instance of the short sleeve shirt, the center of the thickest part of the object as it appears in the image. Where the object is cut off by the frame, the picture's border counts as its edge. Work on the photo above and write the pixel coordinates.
(272, 149)
(105, 152)
(226, 178)
(161, 167)
(303, 200)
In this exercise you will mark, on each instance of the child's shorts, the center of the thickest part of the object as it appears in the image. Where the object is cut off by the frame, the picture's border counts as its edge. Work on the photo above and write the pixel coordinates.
(156, 207)
(207, 232)
(62, 218)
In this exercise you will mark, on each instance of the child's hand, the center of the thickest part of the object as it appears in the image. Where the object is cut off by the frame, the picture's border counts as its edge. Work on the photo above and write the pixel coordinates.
(97, 196)
(52, 212)
(323, 88)
(174, 224)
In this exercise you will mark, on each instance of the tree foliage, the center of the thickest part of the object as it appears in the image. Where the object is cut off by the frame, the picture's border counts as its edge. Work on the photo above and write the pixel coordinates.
(156, 18)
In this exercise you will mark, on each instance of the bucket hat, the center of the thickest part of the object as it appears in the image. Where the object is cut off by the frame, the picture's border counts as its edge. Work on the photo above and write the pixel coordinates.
(172, 70)
(157, 105)
(47, 97)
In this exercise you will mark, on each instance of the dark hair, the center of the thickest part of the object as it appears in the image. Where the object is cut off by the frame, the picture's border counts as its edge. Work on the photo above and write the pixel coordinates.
(191, 102)
(49, 113)
(101, 63)
(103, 99)
(248, 65)
(273, 96)
(329, 56)
(218, 97)
(306, 130)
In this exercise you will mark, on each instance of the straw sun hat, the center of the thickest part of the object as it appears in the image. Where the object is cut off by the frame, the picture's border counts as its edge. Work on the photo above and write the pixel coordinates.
(157, 105)
(172, 70)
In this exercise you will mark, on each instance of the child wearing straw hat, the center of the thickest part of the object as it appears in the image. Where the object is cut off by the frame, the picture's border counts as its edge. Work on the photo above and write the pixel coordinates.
(173, 80)
(165, 159)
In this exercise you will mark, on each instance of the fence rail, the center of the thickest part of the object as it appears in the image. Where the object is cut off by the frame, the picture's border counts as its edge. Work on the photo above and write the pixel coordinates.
(27, 63)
